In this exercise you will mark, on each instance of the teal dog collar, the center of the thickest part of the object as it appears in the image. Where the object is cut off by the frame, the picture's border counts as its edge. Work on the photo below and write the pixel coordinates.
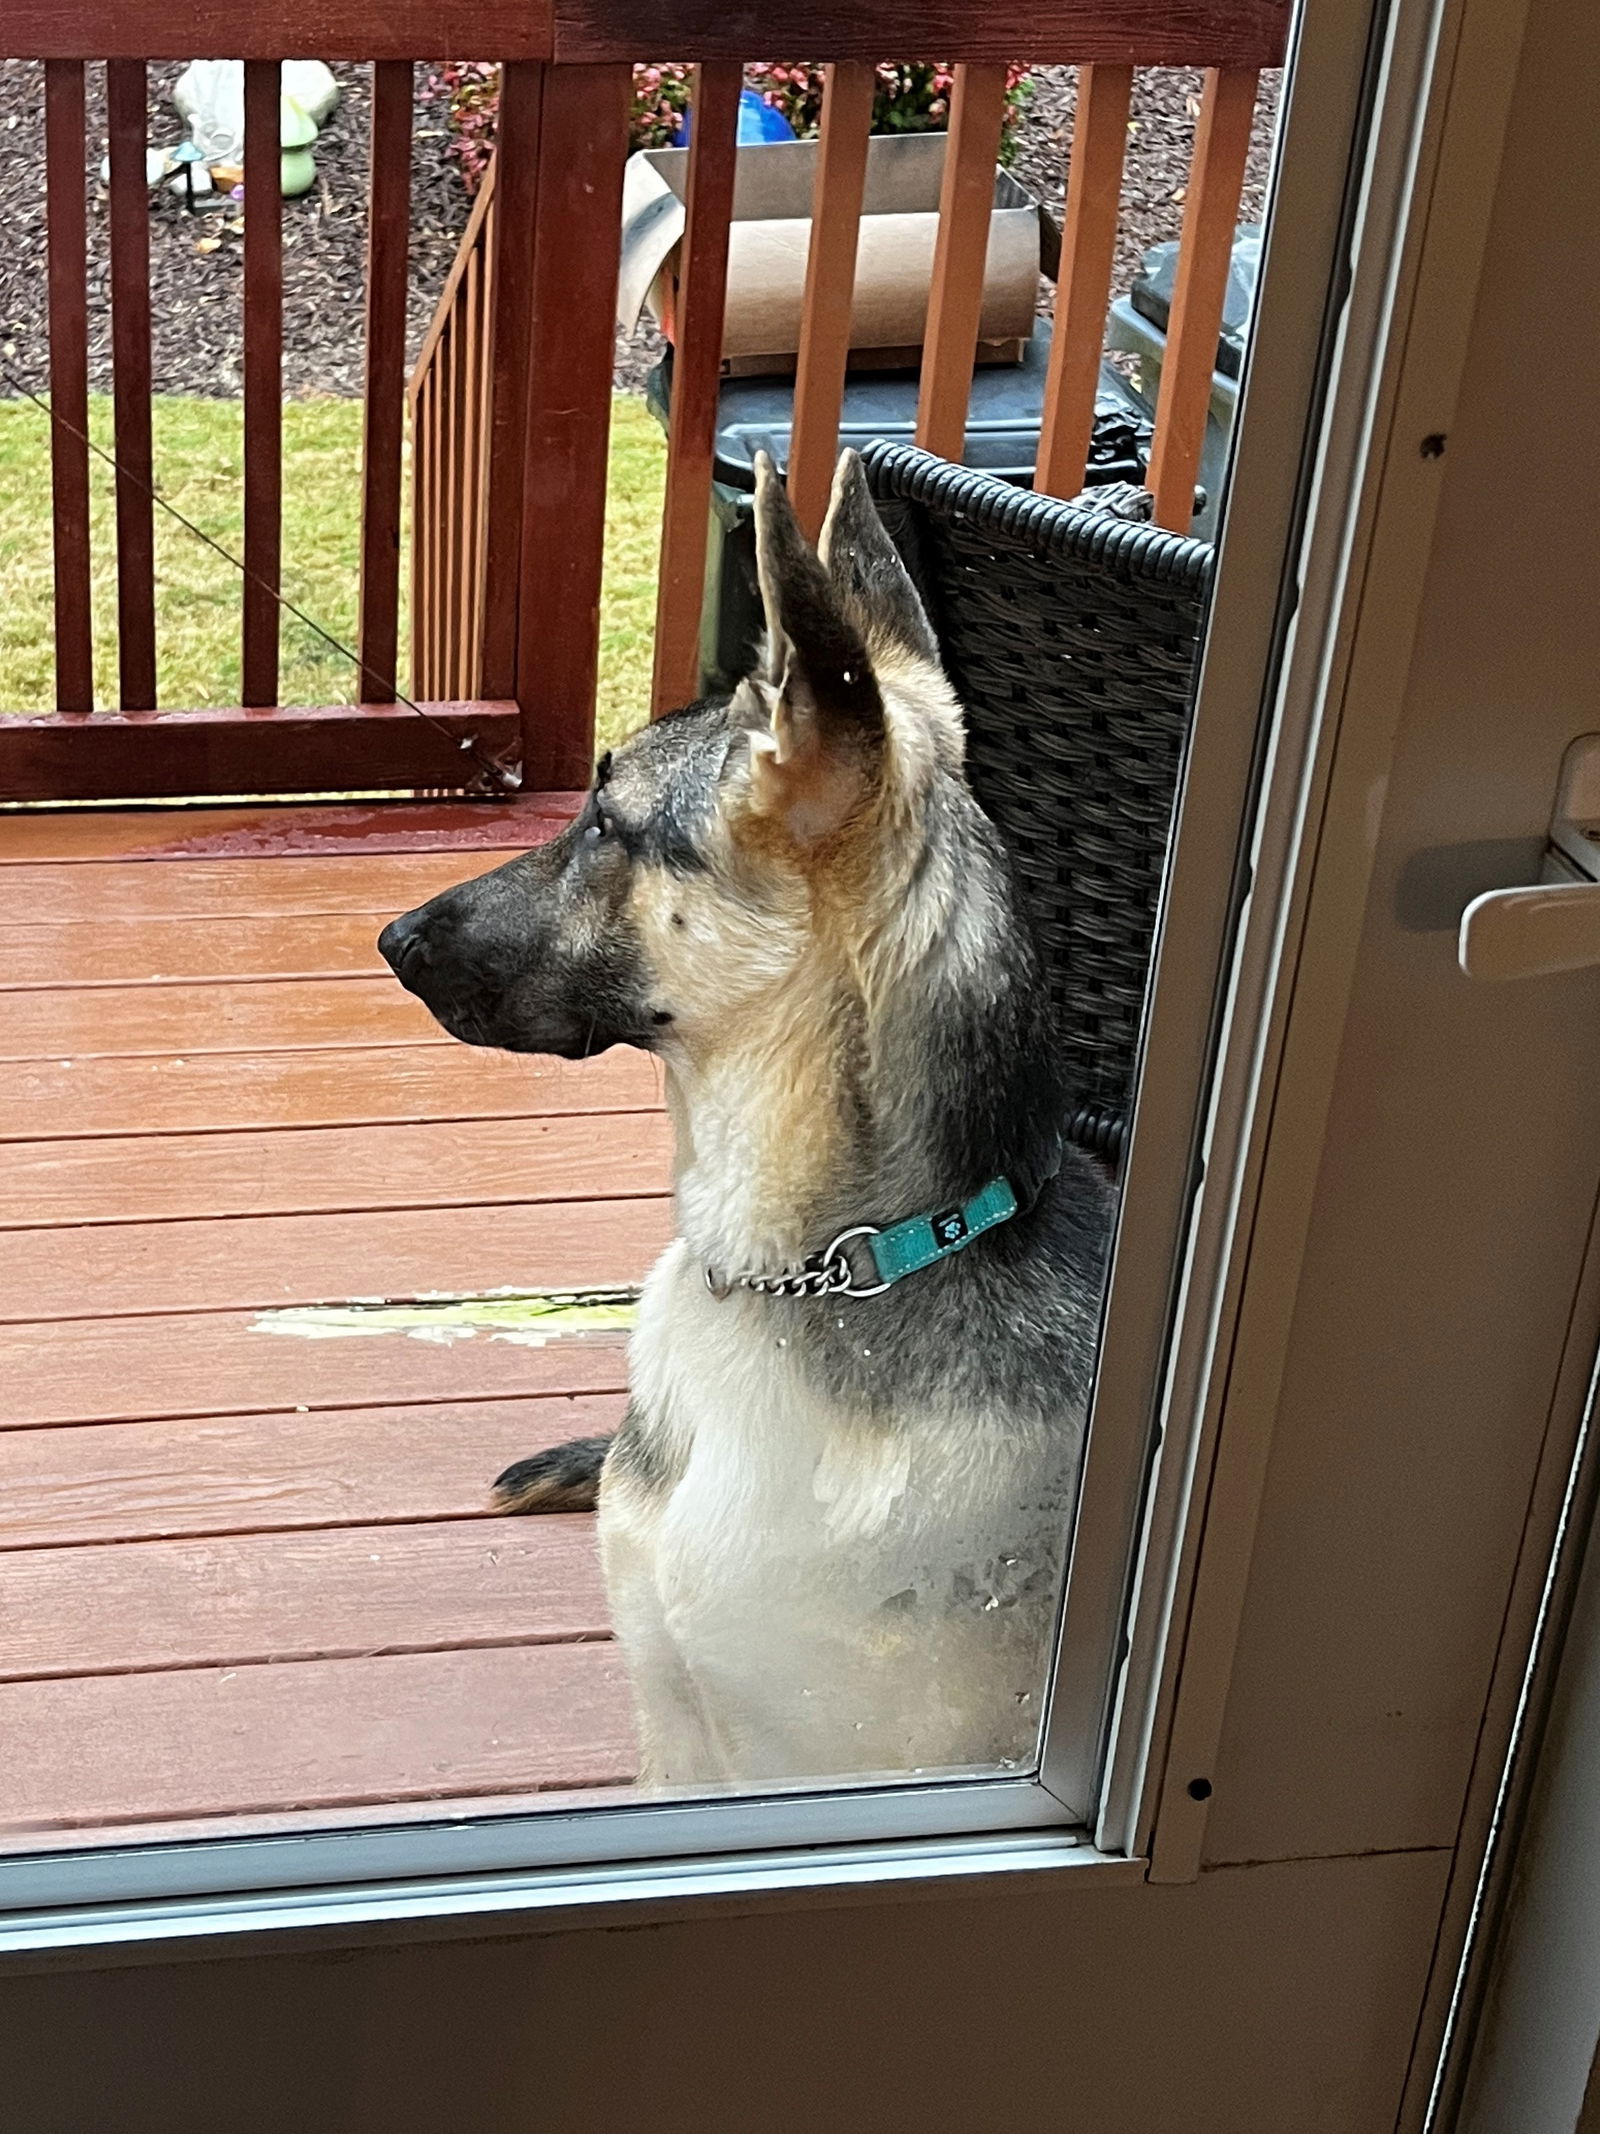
(904, 1248)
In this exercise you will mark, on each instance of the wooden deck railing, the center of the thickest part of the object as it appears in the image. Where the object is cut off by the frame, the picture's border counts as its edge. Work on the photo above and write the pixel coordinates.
(510, 404)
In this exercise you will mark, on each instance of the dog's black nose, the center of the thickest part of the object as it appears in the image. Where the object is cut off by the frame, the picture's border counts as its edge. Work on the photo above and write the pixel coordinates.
(402, 944)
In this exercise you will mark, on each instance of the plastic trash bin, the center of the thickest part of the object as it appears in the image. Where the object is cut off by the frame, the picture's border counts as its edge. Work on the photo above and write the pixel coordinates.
(755, 414)
(1137, 327)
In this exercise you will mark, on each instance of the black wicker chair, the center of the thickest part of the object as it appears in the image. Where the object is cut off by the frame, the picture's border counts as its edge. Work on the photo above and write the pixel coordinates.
(1071, 637)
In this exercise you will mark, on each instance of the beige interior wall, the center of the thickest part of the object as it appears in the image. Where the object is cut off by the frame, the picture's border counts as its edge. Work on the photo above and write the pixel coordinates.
(1274, 1999)
(1465, 1126)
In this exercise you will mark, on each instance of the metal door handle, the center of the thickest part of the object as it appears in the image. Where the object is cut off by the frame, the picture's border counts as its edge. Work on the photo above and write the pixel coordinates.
(1554, 924)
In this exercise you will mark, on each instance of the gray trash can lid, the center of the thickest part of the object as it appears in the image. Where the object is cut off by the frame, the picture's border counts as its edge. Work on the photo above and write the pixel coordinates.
(1006, 409)
(1153, 285)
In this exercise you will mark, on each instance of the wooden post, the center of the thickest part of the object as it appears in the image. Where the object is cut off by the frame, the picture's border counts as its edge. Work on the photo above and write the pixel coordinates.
(69, 382)
(263, 377)
(447, 519)
(516, 194)
(126, 124)
(955, 304)
(1083, 290)
(825, 318)
(388, 235)
(696, 378)
(1210, 213)
(472, 478)
(583, 146)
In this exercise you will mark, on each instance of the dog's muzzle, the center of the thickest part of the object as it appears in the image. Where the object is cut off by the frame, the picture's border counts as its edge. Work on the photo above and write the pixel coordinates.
(403, 945)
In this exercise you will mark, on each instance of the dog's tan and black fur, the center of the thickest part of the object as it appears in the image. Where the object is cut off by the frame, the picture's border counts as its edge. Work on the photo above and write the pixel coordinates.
(833, 1530)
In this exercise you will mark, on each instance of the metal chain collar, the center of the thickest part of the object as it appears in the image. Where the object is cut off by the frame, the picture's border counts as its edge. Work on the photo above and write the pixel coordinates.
(826, 1274)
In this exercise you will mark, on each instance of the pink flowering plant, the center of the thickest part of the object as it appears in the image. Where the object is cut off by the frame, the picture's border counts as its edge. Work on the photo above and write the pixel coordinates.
(660, 98)
(470, 91)
(910, 99)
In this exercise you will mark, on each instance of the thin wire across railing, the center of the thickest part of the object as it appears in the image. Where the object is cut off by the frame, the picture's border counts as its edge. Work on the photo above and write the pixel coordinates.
(499, 775)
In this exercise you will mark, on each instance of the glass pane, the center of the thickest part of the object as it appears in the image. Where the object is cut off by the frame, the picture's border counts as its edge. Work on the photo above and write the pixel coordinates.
(646, 1352)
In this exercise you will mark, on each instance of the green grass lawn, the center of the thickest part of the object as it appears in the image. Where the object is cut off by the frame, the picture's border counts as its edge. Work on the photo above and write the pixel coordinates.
(198, 457)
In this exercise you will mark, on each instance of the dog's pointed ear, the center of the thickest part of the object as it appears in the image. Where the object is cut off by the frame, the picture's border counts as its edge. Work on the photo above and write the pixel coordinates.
(866, 570)
(823, 751)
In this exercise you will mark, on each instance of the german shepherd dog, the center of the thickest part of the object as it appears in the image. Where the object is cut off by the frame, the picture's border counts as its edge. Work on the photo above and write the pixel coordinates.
(832, 1525)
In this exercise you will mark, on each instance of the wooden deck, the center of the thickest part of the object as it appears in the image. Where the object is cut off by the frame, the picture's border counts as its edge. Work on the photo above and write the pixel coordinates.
(246, 1571)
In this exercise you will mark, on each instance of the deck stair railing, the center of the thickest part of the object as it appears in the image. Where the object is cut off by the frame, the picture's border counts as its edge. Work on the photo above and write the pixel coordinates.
(510, 402)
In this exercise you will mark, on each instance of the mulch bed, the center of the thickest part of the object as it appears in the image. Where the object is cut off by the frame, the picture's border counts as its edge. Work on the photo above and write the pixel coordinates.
(196, 295)
(198, 330)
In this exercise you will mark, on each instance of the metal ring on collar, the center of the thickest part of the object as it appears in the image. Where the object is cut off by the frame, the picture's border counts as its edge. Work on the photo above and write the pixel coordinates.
(834, 1263)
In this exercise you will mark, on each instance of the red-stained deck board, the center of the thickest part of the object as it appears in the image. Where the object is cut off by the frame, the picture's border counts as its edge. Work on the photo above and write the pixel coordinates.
(453, 1163)
(95, 892)
(216, 1092)
(128, 952)
(221, 1474)
(117, 1750)
(265, 1263)
(223, 1363)
(103, 1022)
(237, 1600)
(248, 1567)
(270, 832)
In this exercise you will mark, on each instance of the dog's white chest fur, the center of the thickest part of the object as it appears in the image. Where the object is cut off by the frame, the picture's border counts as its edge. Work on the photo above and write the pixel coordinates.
(815, 1590)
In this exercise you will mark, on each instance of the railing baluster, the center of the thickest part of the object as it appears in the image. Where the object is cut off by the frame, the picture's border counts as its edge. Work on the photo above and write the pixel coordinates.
(1210, 212)
(388, 233)
(472, 474)
(480, 530)
(696, 376)
(955, 303)
(1083, 291)
(426, 505)
(263, 378)
(830, 287)
(449, 519)
(516, 197)
(69, 382)
(127, 126)
(581, 155)
(426, 499)
(460, 481)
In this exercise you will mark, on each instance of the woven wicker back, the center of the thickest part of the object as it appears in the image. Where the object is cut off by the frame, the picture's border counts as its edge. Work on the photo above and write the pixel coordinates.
(1071, 638)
